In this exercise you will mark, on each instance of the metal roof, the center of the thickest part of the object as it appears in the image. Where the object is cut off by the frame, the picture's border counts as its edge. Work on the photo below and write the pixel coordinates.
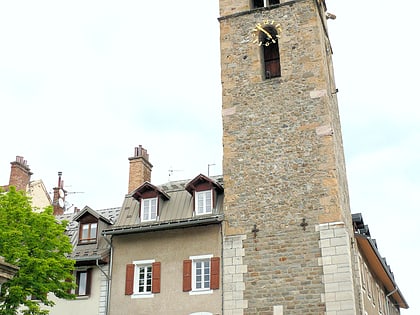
(177, 211)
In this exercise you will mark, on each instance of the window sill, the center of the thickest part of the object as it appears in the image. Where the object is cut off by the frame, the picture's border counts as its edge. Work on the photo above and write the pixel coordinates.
(142, 295)
(82, 297)
(87, 242)
(201, 292)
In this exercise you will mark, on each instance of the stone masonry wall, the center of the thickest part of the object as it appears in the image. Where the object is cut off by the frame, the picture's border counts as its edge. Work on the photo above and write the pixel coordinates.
(283, 163)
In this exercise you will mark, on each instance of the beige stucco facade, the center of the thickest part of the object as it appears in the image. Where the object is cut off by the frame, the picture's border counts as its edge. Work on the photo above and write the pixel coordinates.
(39, 195)
(95, 303)
(169, 248)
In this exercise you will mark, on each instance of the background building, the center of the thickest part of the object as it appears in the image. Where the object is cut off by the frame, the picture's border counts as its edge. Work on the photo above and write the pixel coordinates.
(91, 253)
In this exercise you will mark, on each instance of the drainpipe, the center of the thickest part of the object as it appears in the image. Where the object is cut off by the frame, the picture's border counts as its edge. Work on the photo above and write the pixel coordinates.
(222, 265)
(108, 277)
(388, 300)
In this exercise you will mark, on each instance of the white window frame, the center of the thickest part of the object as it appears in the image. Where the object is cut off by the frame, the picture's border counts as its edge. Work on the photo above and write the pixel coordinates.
(369, 284)
(147, 208)
(195, 260)
(136, 283)
(381, 300)
(202, 202)
(362, 273)
(83, 282)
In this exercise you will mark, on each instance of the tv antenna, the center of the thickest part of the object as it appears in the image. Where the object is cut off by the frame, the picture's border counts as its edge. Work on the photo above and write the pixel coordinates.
(60, 194)
(171, 172)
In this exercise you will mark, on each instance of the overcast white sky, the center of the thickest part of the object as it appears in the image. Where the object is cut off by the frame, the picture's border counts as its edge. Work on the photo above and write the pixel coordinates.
(84, 82)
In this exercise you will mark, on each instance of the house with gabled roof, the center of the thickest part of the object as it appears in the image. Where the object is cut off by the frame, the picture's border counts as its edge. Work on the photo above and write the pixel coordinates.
(91, 253)
(166, 245)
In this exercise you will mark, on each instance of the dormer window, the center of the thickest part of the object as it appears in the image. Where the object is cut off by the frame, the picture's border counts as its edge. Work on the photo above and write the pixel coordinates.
(203, 202)
(91, 224)
(150, 198)
(88, 232)
(149, 209)
(205, 192)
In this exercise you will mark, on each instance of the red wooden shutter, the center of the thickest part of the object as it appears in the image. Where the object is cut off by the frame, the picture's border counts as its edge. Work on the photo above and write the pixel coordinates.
(186, 281)
(214, 273)
(68, 280)
(129, 279)
(88, 280)
(156, 277)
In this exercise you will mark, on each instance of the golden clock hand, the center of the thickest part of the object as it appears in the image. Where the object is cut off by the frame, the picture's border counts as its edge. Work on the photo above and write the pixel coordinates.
(265, 31)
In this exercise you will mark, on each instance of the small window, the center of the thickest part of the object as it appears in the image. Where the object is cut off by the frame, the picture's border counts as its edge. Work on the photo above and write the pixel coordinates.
(142, 278)
(271, 54)
(83, 281)
(201, 274)
(264, 3)
(362, 273)
(88, 232)
(369, 285)
(203, 202)
(381, 299)
(149, 209)
(258, 3)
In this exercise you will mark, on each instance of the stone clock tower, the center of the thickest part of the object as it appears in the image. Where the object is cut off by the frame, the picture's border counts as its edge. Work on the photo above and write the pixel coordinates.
(287, 245)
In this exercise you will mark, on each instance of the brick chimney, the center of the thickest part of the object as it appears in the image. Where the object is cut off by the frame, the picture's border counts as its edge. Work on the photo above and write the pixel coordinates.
(20, 174)
(140, 168)
(59, 196)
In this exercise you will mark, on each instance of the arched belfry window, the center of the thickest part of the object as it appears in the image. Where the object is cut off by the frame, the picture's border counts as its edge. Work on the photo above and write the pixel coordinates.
(270, 52)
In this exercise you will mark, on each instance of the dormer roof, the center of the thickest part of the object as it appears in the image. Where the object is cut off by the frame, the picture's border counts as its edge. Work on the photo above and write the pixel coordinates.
(148, 187)
(86, 211)
(202, 179)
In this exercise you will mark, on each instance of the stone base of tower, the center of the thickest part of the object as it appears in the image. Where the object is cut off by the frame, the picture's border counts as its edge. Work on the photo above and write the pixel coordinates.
(335, 293)
(336, 262)
(233, 275)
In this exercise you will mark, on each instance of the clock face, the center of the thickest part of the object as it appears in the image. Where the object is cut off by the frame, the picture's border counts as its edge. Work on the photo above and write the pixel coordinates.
(266, 33)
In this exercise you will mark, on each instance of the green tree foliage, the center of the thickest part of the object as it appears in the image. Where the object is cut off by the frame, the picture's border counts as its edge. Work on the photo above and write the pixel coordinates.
(37, 244)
